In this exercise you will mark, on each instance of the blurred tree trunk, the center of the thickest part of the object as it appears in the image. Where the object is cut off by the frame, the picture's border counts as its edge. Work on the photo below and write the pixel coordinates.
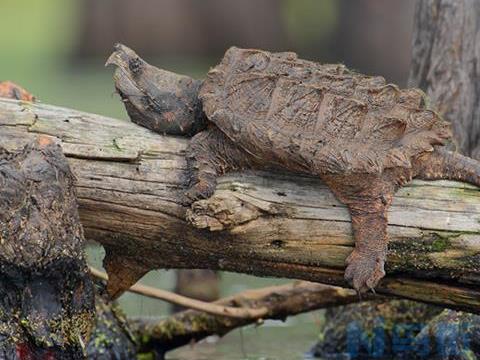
(446, 55)
(179, 27)
(373, 36)
(198, 284)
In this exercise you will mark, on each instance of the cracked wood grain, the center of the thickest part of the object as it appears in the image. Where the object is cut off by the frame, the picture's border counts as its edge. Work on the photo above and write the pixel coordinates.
(129, 186)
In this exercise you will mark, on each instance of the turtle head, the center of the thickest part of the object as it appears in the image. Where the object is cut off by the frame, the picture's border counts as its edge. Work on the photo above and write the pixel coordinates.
(157, 99)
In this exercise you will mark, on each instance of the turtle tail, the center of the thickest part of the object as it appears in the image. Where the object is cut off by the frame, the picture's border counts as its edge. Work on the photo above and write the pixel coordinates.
(448, 165)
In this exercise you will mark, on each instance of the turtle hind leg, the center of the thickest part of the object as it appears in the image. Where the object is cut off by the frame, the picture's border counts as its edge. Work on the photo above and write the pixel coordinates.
(211, 154)
(365, 265)
(447, 165)
(368, 200)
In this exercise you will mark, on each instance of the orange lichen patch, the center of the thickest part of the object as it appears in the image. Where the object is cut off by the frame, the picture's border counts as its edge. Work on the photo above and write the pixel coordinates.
(12, 91)
(43, 141)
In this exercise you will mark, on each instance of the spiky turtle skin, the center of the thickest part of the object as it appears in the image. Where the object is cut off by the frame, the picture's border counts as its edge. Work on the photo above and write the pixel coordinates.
(363, 137)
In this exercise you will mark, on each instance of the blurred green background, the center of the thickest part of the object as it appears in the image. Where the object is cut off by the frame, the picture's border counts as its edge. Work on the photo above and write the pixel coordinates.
(56, 49)
(37, 40)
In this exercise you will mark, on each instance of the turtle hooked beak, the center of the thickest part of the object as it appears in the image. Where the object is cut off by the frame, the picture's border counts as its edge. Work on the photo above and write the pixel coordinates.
(121, 56)
(157, 99)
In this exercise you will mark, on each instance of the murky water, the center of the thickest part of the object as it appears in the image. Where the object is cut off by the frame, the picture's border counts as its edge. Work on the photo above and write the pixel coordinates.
(274, 340)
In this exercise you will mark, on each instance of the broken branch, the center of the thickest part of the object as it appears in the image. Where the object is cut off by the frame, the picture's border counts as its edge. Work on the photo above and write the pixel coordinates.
(209, 308)
(281, 301)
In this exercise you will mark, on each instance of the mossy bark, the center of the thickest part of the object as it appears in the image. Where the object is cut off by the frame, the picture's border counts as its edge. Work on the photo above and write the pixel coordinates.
(450, 335)
(398, 329)
(111, 336)
(46, 295)
(376, 329)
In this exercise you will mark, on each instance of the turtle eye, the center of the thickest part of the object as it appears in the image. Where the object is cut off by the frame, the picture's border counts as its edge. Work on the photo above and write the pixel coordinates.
(257, 61)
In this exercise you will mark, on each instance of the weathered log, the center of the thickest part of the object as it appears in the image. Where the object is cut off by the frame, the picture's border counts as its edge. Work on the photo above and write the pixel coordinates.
(130, 183)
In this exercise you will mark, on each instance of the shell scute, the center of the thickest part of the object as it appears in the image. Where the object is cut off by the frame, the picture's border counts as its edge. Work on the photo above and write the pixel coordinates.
(318, 118)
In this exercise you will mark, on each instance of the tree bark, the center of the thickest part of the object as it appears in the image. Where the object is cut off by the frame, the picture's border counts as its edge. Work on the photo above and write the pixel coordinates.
(446, 53)
(46, 294)
(111, 336)
(130, 183)
(449, 335)
(376, 329)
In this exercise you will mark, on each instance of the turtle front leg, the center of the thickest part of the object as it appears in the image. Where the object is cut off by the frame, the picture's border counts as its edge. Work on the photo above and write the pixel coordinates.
(368, 200)
(211, 154)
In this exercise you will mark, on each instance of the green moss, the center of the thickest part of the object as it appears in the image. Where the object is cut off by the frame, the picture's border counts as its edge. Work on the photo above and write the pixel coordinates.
(440, 244)
(170, 328)
(415, 253)
(146, 356)
(469, 354)
(116, 145)
(101, 339)
(25, 323)
(431, 242)
(79, 326)
(144, 339)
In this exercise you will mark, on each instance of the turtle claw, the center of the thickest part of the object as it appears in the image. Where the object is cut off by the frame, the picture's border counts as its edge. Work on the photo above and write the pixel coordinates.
(364, 271)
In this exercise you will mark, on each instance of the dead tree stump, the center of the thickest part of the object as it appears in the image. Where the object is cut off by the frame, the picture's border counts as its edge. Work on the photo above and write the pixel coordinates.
(46, 295)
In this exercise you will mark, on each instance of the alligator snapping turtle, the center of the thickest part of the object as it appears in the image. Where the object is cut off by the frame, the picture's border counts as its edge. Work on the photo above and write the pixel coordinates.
(363, 137)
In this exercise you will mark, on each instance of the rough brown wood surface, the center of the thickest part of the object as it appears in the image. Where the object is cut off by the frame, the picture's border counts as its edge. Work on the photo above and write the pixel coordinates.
(46, 294)
(446, 53)
(129, 182)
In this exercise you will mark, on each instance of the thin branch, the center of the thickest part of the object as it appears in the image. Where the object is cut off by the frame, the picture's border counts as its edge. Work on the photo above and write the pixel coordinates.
(281, 301)
(210, 308)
